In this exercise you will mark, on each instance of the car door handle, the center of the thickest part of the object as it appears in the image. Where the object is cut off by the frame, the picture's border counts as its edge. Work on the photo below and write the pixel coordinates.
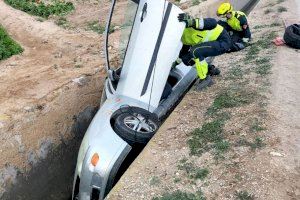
(144, 12)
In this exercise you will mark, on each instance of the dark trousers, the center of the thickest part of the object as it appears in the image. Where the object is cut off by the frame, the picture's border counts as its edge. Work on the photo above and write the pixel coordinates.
(236, 36)
(206, 49)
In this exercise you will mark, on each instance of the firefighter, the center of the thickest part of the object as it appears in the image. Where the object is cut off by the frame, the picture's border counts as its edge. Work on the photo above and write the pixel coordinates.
(235, 22)
(202, 38)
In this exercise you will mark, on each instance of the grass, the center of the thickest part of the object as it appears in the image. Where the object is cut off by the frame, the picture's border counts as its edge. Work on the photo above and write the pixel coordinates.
(244, 195)
(180, 195)
(235, 72)
(193, 171)
(280, 1)
(8, 47)
(274, 24)
(267, 11)
(256, 126)
(260, 26)
(204, 138)
(154, 181)
(195, 2)
(281, 9)
(41, 9)
(233, 97)
(252, 53)
(96, 27)
(62, 21)
(210, 135)
(222, 146)
(264, 69)
(256, 144)
(263, 66)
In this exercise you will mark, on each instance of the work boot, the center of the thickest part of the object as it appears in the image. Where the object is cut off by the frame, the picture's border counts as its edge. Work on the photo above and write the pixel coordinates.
(207, 82)
(213, 71)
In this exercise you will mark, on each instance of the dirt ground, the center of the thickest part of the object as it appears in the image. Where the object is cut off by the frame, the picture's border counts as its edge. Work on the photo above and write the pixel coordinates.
(59, 74)
(259, 154)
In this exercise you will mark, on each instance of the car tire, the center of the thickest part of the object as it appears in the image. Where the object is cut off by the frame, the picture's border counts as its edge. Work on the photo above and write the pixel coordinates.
(292, 36)
(136, 125)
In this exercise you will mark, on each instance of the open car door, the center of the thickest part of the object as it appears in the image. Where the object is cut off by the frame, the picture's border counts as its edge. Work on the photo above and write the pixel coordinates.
(143, 40)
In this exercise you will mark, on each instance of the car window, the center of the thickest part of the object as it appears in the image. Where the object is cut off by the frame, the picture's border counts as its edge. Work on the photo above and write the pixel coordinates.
(119, 31)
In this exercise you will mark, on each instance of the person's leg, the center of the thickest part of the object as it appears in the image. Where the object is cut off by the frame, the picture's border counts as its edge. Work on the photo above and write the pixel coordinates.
(184, 50)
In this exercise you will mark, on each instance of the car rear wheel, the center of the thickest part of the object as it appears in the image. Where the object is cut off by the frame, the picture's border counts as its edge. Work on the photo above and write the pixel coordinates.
(136, 125)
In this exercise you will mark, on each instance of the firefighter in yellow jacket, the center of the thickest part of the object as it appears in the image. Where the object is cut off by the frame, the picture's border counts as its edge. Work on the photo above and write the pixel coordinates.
(235, 22)
(202, 38)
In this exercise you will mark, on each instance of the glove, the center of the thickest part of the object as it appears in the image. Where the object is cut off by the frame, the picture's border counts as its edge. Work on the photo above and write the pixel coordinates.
(189, 21)
(112, 75)
(176, 62)
(239, 46)
(246, 40)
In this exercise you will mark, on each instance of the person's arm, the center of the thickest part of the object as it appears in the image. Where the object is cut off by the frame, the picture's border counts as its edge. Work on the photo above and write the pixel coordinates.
(198, 23)
(205, 23)
(245, 27)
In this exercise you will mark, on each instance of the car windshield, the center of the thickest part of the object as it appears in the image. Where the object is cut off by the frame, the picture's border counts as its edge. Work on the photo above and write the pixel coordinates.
(120, 28)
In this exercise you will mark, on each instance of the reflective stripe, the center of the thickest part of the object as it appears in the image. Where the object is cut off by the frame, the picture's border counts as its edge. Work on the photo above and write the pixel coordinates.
(201, 67)
(197, 23)
(192, 36)
(199, 48)
(213, 34)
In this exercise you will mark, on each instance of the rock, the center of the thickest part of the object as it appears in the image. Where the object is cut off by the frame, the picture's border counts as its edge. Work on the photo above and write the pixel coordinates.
(32, 158)
(45, 146)
(82, 80)
(273, 153)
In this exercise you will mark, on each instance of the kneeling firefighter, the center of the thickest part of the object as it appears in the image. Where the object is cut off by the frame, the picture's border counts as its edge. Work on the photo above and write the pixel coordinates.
(235, 23)
(202, 38)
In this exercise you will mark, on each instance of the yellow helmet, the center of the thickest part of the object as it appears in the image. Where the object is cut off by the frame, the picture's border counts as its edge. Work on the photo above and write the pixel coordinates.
(224, 8)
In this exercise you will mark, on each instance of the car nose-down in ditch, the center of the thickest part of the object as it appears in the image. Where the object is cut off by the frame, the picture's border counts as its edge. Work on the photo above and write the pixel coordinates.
(142, 41)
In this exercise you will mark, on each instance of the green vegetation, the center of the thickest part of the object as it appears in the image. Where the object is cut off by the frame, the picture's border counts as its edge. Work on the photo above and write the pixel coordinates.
(275, 24)
(193, 171)
(256, 126)
(42, 9)
(8, 47)
(204, 138)
(154, 180)
(252, 53)
(95, 26)
(280, 1)
(235, 72)
(244, 195)
(100, 29)
(62, 21)
(195, 2)
(256, 144)
(233, 97)
(267, 11)
(179, 195)
(260, 26)
(281, 9)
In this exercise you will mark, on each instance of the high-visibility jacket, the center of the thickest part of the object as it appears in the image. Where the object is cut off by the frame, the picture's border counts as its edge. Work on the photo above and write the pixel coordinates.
(192, 36)
(234, 21)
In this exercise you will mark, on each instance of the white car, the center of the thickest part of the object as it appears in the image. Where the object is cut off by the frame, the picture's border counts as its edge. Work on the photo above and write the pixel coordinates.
(140, 50)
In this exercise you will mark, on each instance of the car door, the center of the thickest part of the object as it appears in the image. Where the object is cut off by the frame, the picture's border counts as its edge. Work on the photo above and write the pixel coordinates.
(152, 45)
